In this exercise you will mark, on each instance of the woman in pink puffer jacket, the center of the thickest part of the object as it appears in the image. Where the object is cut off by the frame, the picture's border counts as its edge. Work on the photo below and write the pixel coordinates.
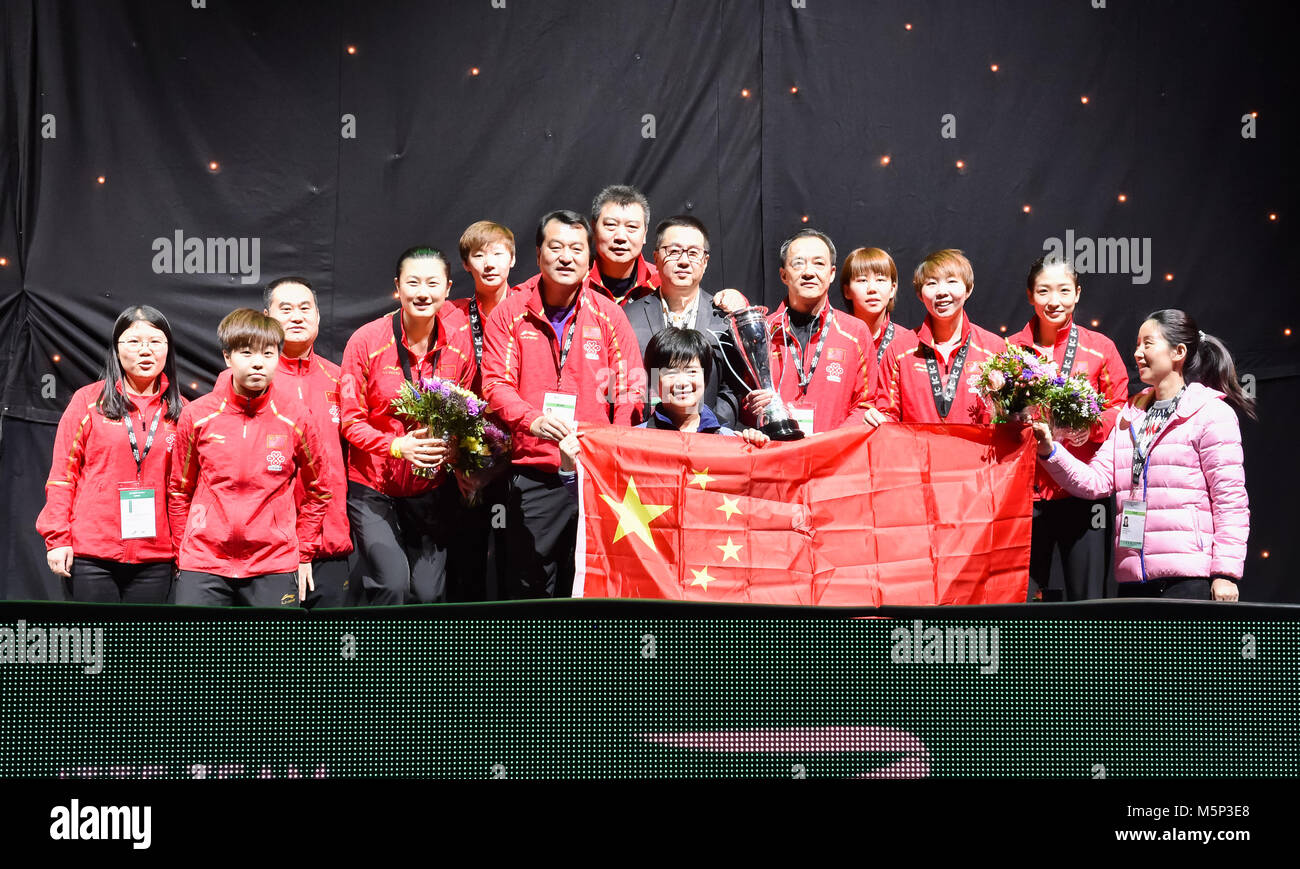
(1177, 447)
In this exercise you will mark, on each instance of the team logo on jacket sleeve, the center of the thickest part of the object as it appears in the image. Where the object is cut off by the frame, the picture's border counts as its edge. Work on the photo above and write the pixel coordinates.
(275, 460)
(834, 372)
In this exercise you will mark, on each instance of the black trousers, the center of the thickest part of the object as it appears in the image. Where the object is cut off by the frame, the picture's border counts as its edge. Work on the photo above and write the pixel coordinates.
(208, 589)
(1172, 587)
(330, 576)
(1082, 531)
(536, 551)
(472, 560)
(98, 580)
(402, 543)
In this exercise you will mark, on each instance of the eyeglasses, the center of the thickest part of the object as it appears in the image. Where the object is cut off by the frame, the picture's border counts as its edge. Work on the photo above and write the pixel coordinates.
(797, 265)
(692, 254)
(155, 345)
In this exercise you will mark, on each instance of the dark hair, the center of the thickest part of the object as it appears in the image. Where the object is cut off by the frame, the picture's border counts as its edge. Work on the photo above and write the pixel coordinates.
(1208, 361)
(807, 233)
(685, 220)
(671, 347)
(569, 218)
(1046, 262)
(246, 328)
(420, 252)
(620, 194)
(280, 282)
(113, 404)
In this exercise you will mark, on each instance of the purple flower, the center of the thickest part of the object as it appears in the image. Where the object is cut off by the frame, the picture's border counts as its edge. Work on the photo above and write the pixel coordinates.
(493, 432)
(471, 405)
(429, 382)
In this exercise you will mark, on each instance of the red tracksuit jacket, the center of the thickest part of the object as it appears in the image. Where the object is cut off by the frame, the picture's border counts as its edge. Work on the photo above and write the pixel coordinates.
(462, 307)
(231, 498)
(372, 376)
(842, 386)
(905, 393)
(314, 381)
(92, 456)
(521, 356)
(647, 281)
(1098, 358)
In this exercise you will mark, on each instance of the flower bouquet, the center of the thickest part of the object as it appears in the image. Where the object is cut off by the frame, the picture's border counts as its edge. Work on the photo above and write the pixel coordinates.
(1023, 386)
(475, 443)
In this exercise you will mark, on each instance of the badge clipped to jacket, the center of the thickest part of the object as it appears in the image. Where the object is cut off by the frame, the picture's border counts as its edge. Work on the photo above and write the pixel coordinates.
(137, 509)
(1132, 523)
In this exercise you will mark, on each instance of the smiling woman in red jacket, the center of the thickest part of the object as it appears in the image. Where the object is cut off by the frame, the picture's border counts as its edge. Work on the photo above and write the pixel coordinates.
(401, 521)
(1062, 523)
(105, 516)
(1174, 458)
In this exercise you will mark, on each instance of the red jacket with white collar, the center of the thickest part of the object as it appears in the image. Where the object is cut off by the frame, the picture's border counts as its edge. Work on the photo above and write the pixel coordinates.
(231, 498)
(314, 381)
(521, 363)
(906, 394)
(92, 456)
(842, 385)
(1097, 358)
(372, 376)
(647, 281)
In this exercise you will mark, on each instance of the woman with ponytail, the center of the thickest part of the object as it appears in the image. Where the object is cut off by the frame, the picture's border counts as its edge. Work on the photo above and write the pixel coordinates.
(1174, 459)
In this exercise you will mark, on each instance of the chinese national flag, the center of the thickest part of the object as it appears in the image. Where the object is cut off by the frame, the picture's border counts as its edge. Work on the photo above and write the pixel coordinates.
(899, 515)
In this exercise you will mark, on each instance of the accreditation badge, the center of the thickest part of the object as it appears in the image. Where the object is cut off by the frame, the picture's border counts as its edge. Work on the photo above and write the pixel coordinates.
(561, 405)
(1132, 524)
(803, 417)
(137, 509)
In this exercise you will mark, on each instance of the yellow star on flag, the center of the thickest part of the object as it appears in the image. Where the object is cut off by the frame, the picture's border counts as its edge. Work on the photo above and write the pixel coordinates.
(702, 478)
(702, 577)
(729, 506)
(633, 516)
(729, 550)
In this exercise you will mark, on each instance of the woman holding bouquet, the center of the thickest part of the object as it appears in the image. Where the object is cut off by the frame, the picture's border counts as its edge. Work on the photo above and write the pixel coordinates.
(1076, 527)
(1174, 458)
(399, 497)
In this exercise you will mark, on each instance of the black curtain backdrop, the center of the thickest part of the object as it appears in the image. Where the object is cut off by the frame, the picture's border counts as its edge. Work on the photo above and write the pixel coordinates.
(333, 135)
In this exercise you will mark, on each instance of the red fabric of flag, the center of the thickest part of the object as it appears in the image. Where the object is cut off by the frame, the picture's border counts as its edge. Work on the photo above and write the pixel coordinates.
(899, 515)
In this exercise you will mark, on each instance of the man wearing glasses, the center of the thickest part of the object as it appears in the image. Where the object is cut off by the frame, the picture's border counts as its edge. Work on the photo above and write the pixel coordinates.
(681, 256)
(823, 360)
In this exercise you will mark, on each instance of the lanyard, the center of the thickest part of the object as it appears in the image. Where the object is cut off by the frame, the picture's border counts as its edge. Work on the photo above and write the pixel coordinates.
(687, 317)
(944, 394)
(1150, 430)
(401, 348)
(476, 328)
(884, 341)
(568, 342)
(148, 441)
(1071, 347)
(806, 378)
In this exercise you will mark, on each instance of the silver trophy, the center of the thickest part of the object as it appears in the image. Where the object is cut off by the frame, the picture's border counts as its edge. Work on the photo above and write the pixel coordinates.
(753, 341)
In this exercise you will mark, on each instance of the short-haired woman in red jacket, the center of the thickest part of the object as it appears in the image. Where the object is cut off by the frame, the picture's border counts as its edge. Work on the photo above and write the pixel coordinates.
(105, 516)
(1174, 458)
